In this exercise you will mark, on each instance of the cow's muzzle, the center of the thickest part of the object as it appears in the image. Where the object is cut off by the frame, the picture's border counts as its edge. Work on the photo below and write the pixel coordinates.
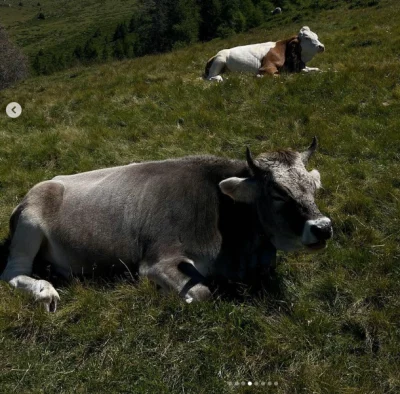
(316, 233)
(321, 48)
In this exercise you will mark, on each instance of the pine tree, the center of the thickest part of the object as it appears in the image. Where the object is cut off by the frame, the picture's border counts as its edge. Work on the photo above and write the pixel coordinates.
(120, 32)
(104, 54)
(90, 51)
(78, 52)
(132, 24)
(118, 52)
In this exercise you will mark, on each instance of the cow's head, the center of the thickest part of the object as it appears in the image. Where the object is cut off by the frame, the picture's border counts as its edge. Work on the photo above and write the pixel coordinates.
(310, 45)
(282, 191)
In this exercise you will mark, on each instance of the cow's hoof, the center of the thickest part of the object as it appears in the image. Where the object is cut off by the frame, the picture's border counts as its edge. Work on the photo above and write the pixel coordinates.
(47, 295)
(217, 78)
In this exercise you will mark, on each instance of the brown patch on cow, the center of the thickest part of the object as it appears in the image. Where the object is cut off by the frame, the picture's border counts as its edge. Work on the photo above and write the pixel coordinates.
(286, 55)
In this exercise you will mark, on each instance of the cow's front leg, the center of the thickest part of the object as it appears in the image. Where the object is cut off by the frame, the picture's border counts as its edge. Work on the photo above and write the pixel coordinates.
(180, 275)
(268, 68)
(25, 244)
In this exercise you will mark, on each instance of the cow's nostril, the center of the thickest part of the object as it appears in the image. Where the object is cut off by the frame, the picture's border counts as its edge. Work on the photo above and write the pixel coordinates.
(322, 233)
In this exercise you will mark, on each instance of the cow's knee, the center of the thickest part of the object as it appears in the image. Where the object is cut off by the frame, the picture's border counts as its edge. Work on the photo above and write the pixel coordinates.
(180, 275)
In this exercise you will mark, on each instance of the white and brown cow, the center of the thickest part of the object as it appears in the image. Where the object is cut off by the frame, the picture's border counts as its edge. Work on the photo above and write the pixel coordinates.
(271, 58)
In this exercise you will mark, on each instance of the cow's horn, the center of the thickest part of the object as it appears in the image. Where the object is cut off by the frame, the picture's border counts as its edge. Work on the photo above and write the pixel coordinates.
(250, 162)
(305, 156)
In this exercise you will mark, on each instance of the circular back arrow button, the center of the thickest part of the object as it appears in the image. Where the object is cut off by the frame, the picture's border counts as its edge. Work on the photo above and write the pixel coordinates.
(13, 110)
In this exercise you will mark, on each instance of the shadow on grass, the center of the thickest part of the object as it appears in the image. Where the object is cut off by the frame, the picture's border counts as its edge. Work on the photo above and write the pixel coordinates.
(268, 284)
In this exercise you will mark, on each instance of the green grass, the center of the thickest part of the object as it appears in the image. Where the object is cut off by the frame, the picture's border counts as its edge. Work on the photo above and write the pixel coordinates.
(333, 326)
(67, 21)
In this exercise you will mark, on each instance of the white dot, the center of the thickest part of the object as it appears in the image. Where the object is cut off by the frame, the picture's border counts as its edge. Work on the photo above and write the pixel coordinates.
(275, 383)
(249, 383)
(262, 383)
(236, 383)
(269, 383)
(255, 383)
(243, 383)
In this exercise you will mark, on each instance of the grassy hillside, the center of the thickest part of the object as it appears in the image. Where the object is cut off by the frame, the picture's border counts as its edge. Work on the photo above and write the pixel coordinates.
(327, 323)
(58, 35)
(66, 21)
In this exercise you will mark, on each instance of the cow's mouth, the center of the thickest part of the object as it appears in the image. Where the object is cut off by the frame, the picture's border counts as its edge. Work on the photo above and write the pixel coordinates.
(316, 246)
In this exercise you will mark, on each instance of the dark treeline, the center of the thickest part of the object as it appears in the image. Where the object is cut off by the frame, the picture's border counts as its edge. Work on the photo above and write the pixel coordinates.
(162, 25)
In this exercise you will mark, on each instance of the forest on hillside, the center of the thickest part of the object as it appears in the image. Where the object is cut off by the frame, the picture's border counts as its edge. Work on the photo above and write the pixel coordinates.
(158, 26)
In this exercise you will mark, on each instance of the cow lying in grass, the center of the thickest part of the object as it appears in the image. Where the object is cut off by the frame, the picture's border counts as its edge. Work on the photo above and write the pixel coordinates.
(289, 55)
(176, 221)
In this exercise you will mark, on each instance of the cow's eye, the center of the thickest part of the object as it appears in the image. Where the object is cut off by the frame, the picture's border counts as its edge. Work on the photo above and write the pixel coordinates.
(279, 198)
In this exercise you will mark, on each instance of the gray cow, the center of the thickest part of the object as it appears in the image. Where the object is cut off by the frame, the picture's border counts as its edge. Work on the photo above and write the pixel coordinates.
(176, 221)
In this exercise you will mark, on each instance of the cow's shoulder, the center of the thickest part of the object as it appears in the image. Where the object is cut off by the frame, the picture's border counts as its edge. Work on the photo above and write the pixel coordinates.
(276, 55)
(285, 54)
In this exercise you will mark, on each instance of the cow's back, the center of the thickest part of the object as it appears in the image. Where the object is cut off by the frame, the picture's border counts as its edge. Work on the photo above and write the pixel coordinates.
(131, 213)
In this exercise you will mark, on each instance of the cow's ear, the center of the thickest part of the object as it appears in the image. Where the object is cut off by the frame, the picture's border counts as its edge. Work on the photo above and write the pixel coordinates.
(240, 189)
(295, 44)
(304, 31)
(316, 177)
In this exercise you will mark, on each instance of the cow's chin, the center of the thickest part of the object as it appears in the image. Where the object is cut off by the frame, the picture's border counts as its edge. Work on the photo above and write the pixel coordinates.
(287, 244)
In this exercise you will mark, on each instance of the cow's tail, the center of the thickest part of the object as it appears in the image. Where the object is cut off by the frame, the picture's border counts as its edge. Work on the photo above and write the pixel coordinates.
(4, 250)
(208, 66)
(5, 243)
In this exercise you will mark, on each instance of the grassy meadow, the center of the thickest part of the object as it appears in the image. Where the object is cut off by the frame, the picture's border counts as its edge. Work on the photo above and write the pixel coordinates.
(328, 322)
(66, 21)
